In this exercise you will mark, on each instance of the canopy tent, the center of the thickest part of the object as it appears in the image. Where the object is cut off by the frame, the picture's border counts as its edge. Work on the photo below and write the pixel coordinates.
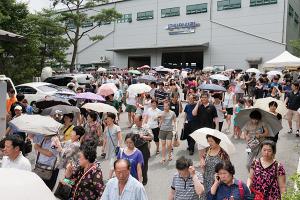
(286, 59)
(11, 37)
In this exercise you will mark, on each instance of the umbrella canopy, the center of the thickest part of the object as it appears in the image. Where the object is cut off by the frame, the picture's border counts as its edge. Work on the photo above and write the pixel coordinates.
(89, 96)
(63, 109)
(138, 88)
(134, 72)
(50, 101)
(253, 70)
(107, 89)
(36, 124)
(212, 87)
(284, 59)
(229, 70)
(269, 119)
(144, 67)
(220, 77)
(101, 69)
(147, 78)
(208, 69)
(274, 73)
(200, 137)
(264, 105)
(20, 184)
(100, 107)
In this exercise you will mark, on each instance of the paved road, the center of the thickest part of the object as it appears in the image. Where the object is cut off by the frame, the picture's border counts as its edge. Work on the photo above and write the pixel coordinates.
(160, 176)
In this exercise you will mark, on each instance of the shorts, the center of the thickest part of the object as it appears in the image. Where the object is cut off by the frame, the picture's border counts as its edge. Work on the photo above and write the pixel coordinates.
(165, 135)
(293, 113)
(130, 108)
(155, 133)
(229, 111)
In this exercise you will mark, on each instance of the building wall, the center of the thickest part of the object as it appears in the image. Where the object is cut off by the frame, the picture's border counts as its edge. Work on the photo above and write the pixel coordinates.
(233, 35)
(293, 29)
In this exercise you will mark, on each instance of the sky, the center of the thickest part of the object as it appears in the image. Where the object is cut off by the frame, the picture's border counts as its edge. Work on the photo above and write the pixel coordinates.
(37, 5)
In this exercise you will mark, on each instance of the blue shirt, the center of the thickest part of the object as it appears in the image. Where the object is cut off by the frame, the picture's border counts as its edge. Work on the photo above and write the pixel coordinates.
(224, 192)
(47, 144)
(188, 110)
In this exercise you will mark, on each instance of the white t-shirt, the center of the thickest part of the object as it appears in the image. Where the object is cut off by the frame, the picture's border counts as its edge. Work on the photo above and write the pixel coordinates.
(153, 117)
(20, 162)
(131, 100)
(228, 100)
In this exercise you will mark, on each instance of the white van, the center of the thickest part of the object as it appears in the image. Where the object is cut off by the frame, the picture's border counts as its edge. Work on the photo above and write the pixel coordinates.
(63, 80)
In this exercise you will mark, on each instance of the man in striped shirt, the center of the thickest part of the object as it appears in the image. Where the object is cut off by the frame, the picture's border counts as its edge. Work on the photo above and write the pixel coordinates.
(161, 95)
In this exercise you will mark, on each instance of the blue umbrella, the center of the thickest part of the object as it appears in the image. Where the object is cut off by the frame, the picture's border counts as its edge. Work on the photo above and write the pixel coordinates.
(212, 87)
(147, 78)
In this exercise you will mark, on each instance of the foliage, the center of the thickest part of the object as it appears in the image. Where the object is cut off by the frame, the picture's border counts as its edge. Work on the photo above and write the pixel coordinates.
(296, 46)
(44, 42)
(75, 16)
(293, 192)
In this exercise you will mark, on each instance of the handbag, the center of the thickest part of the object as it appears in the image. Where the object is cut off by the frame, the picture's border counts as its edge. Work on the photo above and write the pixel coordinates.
(176, 142)
(44, 171)
(253, 143)
(117, 148)
(63, 191)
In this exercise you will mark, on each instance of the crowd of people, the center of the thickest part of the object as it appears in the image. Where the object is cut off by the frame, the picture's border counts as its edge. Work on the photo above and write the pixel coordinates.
(154, 116)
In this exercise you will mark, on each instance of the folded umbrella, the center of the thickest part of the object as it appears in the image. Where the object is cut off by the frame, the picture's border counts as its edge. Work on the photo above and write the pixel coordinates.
(200, 137)
(264, 105)
(63, 109)
(220, 77)
(268, 118)
(107, 89)
(212, 87)
(138, 88)
(89, 96)
(100, 107)
(21, 184)
(36, 124)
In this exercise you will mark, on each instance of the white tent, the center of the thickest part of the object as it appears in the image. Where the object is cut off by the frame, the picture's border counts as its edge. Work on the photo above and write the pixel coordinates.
(283, 60)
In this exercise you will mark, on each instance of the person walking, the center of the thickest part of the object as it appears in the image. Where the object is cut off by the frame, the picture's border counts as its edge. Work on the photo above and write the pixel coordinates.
(123, 186)
(293, 104)
(228, 103)
(267, 176)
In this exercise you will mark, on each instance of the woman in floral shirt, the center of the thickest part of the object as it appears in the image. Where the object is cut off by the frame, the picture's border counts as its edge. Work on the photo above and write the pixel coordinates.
(87, 177)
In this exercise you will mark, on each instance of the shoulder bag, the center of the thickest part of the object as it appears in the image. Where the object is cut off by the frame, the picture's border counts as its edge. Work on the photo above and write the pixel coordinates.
(117, 148)
(44, 171)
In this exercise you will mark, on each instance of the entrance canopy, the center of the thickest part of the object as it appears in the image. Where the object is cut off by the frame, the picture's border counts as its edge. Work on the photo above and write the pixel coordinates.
(11, 37)
(283, 60)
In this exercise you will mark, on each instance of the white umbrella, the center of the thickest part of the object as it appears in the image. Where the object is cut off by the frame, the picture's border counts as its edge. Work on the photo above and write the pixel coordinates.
(101, 69)
(36, 124)
(200, 137)
(208, 69)
(253, 70)
(274, 73)
(264, 105)
(220, 77)
(138, 88)
(100, 107)
(18, 184)
(229, 70)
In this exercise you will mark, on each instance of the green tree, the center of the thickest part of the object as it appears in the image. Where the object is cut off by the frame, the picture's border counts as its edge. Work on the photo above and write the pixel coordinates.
(296, 46)
(74, 16)
(293, 192)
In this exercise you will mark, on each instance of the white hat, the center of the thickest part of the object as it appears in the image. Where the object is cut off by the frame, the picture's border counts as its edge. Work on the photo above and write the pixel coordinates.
(18, 108)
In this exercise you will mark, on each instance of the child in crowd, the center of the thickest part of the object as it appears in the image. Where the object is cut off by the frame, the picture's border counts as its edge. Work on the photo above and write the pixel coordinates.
(249, 103)
(237, 108)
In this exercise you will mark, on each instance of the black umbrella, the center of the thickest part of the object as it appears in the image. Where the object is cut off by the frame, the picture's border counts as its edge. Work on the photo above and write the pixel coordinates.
(51, 101)
(63, 109)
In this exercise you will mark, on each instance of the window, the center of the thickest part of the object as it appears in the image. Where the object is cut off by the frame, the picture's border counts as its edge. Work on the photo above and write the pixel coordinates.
(125, 18)
(170, 12)
(26, 90)
(291, 11)
(144, 15)
(87, 23)
(296, 18)
(197, 8)
(262, 2)
(229, 4)
(103, 23)
(70, 24)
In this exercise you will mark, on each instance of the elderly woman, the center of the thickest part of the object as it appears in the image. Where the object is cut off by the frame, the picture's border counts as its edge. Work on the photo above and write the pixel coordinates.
(255, 131)
(267, 175)
(87, 176)
(214, 155)
(93, 130)
(225, 185)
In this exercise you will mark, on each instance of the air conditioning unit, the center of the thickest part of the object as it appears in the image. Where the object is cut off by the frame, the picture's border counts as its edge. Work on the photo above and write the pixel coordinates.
(102, 58)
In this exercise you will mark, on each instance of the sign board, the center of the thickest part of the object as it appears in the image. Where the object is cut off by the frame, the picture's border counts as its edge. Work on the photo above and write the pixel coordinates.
(3, 91)
(182, 28)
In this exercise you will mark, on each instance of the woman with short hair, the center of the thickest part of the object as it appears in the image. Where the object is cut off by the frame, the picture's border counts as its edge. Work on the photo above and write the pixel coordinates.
(267, 176)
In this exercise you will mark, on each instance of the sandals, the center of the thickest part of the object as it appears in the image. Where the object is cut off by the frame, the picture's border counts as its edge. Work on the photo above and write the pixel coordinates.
(170, 158)
(157, 153)
(163, 161)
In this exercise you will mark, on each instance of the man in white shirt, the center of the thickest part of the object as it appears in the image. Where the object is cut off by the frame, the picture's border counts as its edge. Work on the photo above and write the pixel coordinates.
(13, 154)
(123, 186)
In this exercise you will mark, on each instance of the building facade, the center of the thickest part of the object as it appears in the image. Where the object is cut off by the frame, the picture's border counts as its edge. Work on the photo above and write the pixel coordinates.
(192, 33)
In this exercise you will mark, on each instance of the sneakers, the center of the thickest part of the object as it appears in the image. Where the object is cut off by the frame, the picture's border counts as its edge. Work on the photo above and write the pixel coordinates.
(297, 133)
(290, 131)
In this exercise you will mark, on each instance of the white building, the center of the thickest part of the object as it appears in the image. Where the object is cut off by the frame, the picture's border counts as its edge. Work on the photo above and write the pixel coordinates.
(179, 33)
